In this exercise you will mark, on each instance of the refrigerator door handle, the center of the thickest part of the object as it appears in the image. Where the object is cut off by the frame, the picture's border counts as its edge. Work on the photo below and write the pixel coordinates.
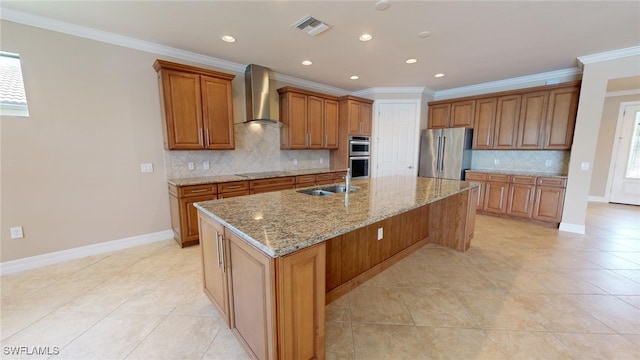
(438, 157)
(444, 142)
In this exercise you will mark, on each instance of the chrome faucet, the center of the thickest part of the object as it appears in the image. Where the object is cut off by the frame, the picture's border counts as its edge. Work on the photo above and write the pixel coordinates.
(347, 180)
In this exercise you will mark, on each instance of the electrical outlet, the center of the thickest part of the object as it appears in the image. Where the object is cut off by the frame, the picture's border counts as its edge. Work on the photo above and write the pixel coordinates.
(295, 161)
(146, 167)
(321, 160)
(205, 165)
(547, 163)
(190, 166)
(380, 233)
(16, 232)
(496, 161)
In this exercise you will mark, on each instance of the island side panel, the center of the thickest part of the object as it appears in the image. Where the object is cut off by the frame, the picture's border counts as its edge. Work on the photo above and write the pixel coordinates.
(453, 220)
(301, 303)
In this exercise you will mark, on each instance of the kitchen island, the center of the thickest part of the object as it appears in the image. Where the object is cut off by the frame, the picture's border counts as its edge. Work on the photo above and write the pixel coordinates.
(272, 261)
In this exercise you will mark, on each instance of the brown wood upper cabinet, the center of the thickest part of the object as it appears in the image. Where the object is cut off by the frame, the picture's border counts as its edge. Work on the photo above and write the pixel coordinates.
(197, 107)
(356, 113)
(456, 114)
(310, 120)
(561, 118)
(506, 125)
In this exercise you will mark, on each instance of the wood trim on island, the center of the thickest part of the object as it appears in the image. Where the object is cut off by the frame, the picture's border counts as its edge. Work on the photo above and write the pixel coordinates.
(275, 306)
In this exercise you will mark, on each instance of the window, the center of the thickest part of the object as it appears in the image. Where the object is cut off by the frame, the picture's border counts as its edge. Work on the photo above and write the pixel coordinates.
(13, 100)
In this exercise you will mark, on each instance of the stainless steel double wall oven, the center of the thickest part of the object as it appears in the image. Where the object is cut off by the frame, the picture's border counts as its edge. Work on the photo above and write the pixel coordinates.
(359, 156)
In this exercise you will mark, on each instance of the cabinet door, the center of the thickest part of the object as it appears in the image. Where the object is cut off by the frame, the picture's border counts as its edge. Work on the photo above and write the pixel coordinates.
(462, 113)
(506, 128)
(331, 113)
(315, 122)
(483, 126)
(215, 273)
(479, 178)
(183, 110)
(353, 111)
(301, 304)
(520, 201)
(561, 118)
(533, 111)
(297, 126)
(365, 119)
(495, 197)
(217, 113)
(548, 204)
(189, 219)
(439, 116)
(252, 278)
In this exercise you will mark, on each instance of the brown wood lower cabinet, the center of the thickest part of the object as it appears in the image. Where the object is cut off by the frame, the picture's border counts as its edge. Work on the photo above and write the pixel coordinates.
(276, 306)
(539, 199)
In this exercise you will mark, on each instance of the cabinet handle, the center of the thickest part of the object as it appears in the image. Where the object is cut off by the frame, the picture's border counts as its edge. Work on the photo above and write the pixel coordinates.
(224, 255)
(199, 191)
(326, 140)
(200, 132)
(206, 137)
(218, 247)
(234, 187)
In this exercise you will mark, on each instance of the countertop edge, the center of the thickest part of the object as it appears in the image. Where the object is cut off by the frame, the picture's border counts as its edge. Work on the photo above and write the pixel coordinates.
(217, 179)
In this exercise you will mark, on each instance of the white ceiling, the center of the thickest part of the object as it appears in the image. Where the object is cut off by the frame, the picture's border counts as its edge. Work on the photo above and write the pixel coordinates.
(471, 42)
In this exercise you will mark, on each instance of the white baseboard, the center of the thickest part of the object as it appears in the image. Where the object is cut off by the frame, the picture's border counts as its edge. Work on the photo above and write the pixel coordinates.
(32, 262)
(573, 228)
(598, 199)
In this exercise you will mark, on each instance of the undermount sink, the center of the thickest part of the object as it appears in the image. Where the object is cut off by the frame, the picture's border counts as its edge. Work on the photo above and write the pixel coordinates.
(328, 190)
(340, 188)
(315, 192)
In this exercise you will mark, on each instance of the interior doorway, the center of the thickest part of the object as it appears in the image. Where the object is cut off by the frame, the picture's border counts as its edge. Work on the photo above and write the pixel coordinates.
(396, 130)
(625, 178)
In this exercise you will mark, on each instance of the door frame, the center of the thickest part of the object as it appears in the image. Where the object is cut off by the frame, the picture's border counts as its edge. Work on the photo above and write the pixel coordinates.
(375, 139)
(616, 145)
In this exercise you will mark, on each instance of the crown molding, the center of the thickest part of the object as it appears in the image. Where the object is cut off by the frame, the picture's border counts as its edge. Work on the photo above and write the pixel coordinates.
(307, 84)
(370, 92)
(512, 83)
(147, 46)
(609, 55)
(623, 93)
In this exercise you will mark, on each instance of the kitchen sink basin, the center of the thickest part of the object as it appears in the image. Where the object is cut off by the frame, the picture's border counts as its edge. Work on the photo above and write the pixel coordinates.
(328, 190)
(340, 188)
(315, 192)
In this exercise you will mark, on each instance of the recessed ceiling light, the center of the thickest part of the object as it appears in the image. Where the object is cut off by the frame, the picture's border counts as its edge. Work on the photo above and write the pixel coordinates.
(438, 75)
(382, 5)
(411, 61)
(307, 62)
(424, 34)
(354, 77)
(228, 38)
(365, 37)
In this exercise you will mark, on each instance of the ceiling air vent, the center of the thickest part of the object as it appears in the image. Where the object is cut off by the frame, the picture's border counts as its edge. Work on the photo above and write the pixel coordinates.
(311, 25)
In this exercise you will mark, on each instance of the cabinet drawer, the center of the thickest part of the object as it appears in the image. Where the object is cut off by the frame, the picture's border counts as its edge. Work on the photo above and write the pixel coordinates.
(558, 182)
(233, 186)
(339, 175)
(324, 176)
(471, 176)
(306, 179)
(519, 179)
(497, 177)
(273, 182)
(197, 190)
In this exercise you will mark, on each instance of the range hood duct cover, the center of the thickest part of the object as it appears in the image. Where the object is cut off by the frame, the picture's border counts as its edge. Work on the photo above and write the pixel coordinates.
(256, 84)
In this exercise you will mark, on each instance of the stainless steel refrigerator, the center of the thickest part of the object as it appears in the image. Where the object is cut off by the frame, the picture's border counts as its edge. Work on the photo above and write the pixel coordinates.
(445, 153)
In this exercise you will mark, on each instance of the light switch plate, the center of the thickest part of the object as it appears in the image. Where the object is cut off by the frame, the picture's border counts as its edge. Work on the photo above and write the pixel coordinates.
(584, 166)
(380, 233)
(191, 166)
(146, 167)
(205, 165)
(16, 232)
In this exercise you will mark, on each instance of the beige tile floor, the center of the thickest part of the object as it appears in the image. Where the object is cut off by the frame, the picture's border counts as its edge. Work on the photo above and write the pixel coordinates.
(521, 291)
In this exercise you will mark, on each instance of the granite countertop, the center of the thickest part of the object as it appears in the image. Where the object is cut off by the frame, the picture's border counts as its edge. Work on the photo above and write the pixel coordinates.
(244, 177)
(519, 172)
(279, 223)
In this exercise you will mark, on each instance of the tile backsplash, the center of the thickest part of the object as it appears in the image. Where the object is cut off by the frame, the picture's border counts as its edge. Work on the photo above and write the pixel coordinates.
(545, 161)
(257, 149)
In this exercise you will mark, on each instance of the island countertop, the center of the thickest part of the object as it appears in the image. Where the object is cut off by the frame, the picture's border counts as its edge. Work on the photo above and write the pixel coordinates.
(282, 222)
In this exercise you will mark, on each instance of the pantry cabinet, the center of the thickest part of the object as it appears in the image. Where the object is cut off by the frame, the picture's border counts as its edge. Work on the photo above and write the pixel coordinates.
(197, 107)
(309, 119)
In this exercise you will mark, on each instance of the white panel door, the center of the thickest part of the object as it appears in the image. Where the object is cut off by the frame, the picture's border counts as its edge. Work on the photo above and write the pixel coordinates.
(397, 134)
(625, 185)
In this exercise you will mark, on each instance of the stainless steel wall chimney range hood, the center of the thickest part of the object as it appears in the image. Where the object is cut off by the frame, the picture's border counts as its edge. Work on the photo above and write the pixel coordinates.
(256, 84)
